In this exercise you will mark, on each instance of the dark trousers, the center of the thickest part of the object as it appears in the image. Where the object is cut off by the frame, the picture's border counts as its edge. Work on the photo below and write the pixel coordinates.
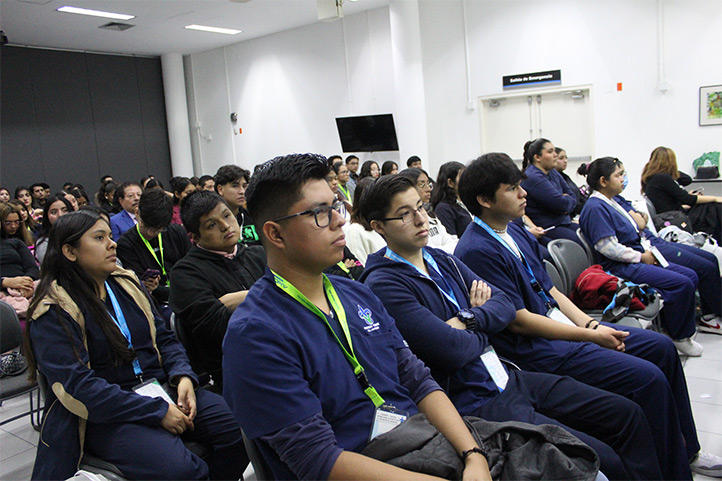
(612, 425)
(150, 452)
(676, 284)
(704, 264)
(648, 373)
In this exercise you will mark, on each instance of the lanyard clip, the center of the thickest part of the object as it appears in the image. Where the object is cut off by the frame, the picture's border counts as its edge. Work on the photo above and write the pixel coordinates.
(537, 287)
(363, 380)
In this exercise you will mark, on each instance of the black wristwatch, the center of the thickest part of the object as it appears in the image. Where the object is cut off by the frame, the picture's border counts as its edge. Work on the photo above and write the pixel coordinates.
(468, 318)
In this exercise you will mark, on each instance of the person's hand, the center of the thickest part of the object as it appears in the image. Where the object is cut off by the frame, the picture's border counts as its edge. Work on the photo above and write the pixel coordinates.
(456, 323)
(151, 283)
(21, 283)
(174, 421)
(610, 338)
(648, 258)
(349, 263)
(233, 299)
(537, 231)
(476, 469)
(479, 293)
(187, 398)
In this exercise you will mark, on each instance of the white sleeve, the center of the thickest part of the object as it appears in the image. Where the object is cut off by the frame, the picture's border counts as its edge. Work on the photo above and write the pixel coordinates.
(611, 248)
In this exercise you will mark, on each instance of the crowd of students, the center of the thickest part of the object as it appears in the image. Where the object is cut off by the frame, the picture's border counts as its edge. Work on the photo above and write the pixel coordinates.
(325, 307)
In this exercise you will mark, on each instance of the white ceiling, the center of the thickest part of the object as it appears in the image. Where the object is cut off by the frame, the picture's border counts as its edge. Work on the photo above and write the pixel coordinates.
(159, 24)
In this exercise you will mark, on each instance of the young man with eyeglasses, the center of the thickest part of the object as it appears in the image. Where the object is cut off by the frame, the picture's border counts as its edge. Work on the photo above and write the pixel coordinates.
(312, 363)
(213, 279)
(154, 245)
(446, 313)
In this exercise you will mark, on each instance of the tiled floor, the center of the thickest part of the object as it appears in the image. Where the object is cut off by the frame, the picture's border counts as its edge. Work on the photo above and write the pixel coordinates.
(704, 378)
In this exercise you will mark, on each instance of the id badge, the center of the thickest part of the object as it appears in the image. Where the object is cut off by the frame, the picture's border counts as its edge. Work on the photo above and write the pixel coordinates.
(495, 367)
(557, 315)
(152, 388)
(660, 258)
(386, 418)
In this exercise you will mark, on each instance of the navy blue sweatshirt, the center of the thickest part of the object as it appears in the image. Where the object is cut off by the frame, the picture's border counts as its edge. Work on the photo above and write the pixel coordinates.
(421, 311)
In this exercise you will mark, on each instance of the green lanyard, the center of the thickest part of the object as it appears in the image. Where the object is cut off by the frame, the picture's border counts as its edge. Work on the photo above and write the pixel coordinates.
(161, 263)
(345, 192)
(336, 305)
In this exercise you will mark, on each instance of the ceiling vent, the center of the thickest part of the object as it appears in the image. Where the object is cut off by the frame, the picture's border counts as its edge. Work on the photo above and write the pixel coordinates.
(118, 26)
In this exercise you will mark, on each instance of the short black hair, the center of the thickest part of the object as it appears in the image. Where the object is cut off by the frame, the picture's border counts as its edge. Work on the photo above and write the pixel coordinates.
(277, 185)
(332, 160)
(155, 209)
(350, 158)
(36, 184)
(230, 173)
(483, 177)
(412, 159)
(205, 178)
(195, 206)
(413, 174)
(376, 199)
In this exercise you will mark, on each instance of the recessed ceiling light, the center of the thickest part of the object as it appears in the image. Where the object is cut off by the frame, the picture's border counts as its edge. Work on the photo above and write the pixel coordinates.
(203, 28)
(95, 13)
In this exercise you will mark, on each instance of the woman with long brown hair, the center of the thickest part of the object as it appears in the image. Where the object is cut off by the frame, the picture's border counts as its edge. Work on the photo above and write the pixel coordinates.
(659, 184)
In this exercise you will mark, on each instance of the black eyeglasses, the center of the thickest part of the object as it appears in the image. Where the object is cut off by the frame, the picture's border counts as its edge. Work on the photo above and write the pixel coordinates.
(409, 215)
(321, 214)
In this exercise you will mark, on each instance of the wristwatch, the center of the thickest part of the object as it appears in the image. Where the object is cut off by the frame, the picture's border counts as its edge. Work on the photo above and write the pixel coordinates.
(468, 318)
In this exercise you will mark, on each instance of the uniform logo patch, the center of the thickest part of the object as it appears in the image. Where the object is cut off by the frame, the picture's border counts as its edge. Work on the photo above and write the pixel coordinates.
(364, 314)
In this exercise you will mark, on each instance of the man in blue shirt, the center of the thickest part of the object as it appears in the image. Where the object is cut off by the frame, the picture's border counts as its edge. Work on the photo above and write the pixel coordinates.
(308, 360)
(445, 311)
(498, 250)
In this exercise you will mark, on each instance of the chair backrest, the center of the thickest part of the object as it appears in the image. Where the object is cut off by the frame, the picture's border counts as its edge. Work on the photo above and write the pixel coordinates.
(261, 469)
(554, 274)
(11, 336)
(650, 207)
(587, 247)
(570, 259)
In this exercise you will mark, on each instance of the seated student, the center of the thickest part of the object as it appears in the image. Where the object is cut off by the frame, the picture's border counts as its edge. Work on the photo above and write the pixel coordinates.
(155, 245)
(231, 182)
(55, 207)
(550, 199)
(445, 199)
(212, 280)
(360, 238)
(127, 196)
(181, 187)
(438, 237)
(626, 252)
(94, 336)
(444, 311)
(206, 182)
(289, 375)
(695, 258)
(638, 364)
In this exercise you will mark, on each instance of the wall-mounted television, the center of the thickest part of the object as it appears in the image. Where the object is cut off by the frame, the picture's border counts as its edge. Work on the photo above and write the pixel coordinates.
(367, 133)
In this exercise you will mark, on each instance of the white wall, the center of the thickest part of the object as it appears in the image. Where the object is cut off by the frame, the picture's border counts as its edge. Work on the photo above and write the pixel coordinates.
(288, 87)
(592, 42)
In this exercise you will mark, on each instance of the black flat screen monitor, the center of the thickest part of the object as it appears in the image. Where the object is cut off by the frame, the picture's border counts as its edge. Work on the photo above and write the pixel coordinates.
(367, 133)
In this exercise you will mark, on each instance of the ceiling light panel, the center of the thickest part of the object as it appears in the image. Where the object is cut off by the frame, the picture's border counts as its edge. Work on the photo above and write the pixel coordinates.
(95, 13)
(204, 28)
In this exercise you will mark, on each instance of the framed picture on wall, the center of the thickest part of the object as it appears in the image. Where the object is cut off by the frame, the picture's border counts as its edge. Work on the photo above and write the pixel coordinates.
(710, 105)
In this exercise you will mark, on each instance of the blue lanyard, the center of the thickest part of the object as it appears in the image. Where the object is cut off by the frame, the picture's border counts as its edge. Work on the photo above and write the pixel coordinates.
(432, 263)
(534, 283)
(119, 319)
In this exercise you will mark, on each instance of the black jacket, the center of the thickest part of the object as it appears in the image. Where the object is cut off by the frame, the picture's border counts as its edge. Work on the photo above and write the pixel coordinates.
(135, 255)
(197, 282)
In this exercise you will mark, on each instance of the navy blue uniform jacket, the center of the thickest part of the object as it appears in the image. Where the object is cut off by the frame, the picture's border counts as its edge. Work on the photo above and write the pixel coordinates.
(421, 311)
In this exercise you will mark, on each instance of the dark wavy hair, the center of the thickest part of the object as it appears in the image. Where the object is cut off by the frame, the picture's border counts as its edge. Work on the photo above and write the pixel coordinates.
(83, 290)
